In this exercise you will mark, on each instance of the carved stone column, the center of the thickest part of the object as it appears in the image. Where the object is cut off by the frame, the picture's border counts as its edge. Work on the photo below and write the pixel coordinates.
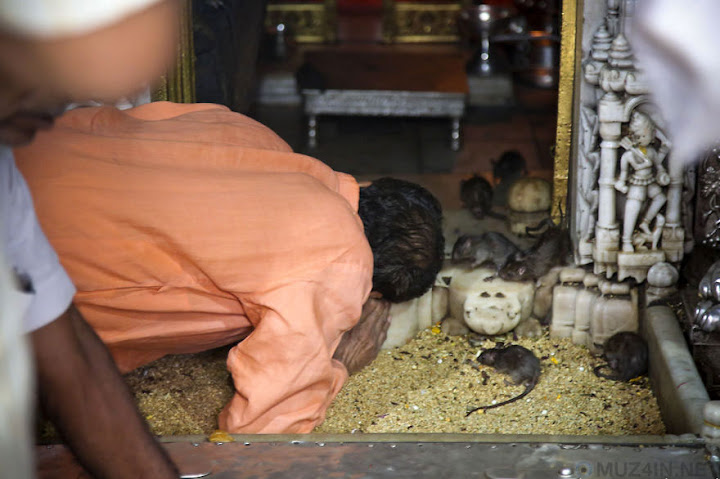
(673, 237)
(607, 234)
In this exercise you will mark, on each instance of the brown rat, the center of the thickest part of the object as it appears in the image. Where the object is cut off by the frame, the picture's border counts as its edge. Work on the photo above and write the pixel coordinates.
(489, 247)
(476, 195)
(516, 361)
(626, 354)
(551, 249)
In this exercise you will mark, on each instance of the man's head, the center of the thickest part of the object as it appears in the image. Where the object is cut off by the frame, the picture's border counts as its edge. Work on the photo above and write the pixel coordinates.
(403, 224)
(56, 52)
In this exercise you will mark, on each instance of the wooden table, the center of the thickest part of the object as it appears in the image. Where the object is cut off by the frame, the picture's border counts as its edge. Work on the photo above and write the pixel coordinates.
(385, 83)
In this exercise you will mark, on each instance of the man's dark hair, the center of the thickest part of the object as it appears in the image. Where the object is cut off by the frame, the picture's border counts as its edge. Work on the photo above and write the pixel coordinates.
(403, 224)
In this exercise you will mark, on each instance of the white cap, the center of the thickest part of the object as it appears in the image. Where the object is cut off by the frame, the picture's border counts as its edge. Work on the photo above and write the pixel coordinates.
(55, 18)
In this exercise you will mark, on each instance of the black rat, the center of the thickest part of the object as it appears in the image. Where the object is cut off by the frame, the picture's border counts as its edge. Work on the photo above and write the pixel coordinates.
(489, 247)
(516, 361)
(626, 354)
(551, 249)
(476, 195)
(509, 168)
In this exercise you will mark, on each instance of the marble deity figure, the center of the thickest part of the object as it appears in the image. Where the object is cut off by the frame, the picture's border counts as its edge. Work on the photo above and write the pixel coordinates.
(642, 177)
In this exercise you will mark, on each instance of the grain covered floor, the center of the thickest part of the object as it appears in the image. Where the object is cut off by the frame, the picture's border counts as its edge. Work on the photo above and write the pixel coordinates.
(425, 386)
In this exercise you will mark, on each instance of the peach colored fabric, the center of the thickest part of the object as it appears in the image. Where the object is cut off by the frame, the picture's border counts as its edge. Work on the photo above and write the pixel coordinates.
(188, 227)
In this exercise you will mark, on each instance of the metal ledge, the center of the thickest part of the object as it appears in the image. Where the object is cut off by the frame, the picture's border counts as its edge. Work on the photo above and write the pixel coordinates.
(417, 459)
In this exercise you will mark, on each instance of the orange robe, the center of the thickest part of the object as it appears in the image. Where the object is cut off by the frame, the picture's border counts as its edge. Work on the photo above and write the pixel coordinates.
(188, 227)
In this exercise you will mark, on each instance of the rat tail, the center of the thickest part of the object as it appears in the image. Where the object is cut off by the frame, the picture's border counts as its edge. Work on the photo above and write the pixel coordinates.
(511, 400)
(562, 223)
(616, 377)
(532, 231)
(598, 372)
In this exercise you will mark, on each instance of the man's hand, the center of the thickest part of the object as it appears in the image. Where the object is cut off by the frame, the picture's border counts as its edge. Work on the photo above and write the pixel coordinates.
(84, 395)
(361, 344)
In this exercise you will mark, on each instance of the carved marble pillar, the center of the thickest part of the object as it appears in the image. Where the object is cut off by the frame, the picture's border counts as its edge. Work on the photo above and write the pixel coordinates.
(673, 236)
(607, 234)
(627, 185)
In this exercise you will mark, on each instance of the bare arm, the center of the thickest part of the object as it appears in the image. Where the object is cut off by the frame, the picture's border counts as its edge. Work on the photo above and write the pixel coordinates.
(361, 345)
(84, 395)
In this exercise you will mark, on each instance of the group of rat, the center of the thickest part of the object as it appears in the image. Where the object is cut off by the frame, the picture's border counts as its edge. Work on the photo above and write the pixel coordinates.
(626, 353)
(495, 249)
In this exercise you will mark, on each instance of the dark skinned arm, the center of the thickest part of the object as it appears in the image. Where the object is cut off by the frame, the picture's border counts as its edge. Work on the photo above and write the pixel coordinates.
(84, 395)
(361, 345)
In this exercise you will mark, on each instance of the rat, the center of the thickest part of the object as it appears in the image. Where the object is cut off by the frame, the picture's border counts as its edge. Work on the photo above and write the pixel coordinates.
(626, 354)
(551, 249)
(476, 195)
(516, 361)
(489, 247)
(510, 167)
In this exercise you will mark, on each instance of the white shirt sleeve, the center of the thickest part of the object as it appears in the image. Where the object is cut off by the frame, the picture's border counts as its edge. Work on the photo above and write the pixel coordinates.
(28, 251)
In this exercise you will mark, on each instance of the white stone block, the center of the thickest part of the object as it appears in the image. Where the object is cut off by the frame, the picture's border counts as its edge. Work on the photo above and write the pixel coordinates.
(543, 301)
(425, 310)
(584, 306)
(581, 338)
(403, 324)
(563, 311)
(488, 304)
(612, 315)
(572, 275)
(491, 314)
(439, 303)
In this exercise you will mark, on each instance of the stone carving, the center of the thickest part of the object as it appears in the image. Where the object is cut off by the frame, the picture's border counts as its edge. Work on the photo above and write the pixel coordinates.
(708, 207)
(644, 184)
(629, 199)
(588, 168)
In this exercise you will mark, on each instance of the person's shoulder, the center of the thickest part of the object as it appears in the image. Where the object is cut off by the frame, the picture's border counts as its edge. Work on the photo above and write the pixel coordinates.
(213, 123)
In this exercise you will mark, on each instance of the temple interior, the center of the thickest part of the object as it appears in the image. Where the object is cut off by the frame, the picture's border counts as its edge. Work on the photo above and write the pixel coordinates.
(438, 93)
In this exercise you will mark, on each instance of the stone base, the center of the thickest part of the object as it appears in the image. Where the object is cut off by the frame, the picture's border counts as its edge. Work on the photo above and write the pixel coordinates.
(636, 265)
(494, 90)
(589, 312)
(584, 252)
(612, 315)
(606, 250)
(673, 243)
(489, 306)
(411, 317)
